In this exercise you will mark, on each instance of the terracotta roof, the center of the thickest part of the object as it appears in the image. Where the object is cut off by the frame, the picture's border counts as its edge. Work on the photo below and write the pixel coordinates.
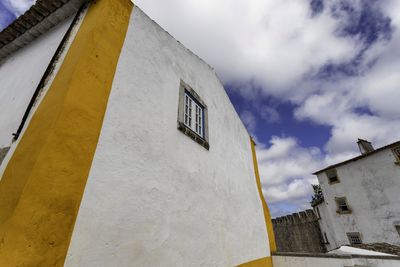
(395, 144)
(42, 16)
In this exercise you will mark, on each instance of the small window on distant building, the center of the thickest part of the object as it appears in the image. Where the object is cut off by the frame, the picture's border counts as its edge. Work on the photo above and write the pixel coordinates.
(192, 115)
(354, 238)
(396, 152)
(332, 176)
(342, 206)
(326, 241)
(398, 229)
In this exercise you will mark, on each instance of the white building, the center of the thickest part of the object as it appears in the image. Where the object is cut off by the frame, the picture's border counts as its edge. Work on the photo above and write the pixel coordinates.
(119, 147)
(126, 150)
(361, 198)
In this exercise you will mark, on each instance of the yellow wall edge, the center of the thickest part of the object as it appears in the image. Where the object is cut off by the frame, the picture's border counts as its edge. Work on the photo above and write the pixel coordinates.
(267, 216)
(43, 183)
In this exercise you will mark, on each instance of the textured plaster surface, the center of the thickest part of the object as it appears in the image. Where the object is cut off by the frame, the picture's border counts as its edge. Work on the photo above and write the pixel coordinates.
(325, 225)
(19, 76)
(155, 197)
(371, 186)
(44, 181)
(49, 80)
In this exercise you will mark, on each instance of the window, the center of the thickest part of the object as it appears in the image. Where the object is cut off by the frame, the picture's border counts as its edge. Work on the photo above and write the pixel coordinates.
(332, 176)
(398, 229)
(192, 115)
(326, 241)
(354, 238)
(342, 206)
(396, 152)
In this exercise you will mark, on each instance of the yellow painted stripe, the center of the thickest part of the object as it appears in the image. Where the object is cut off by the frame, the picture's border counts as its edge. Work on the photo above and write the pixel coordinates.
(43, 184)
(267, 216)
(263, 262)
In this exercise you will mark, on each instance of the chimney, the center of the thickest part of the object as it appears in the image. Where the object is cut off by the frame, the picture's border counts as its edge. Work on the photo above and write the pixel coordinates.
(364, 146)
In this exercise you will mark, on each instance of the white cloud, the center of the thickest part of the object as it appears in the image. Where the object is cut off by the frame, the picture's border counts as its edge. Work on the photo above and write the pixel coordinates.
(18, 7)
(268, 114)
(375, 91)
(286, 171)
(272, 43)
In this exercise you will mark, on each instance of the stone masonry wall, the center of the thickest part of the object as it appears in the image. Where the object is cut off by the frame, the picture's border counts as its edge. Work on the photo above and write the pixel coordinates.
(298, 232)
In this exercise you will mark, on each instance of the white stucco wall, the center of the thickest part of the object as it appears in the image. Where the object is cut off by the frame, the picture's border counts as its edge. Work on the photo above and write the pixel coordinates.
(154, 197)
(291, 261)
(20, 74)
(326, 226)
(371, 186)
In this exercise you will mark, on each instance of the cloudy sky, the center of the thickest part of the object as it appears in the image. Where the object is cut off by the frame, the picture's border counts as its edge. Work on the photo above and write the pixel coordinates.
(307, 77)
(11, 9)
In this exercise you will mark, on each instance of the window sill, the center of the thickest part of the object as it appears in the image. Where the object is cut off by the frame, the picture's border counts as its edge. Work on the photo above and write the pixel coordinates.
(195, 137)
(343, 212)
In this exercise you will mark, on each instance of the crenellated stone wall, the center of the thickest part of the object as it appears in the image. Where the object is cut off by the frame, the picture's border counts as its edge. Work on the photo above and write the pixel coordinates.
(298, 232)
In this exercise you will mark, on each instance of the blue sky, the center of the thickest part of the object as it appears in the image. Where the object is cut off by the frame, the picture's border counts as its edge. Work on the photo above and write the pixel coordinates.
(11, 9)
(307, 77)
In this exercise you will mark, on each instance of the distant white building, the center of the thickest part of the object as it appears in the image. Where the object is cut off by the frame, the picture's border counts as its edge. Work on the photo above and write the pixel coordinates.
(361, 201)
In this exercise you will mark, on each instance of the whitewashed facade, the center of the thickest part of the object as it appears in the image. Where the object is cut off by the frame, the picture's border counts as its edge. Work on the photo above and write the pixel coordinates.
(160, 171)
(370, 185)
(173, 202)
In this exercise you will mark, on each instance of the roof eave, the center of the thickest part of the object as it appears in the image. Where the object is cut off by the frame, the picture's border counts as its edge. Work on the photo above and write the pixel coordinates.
(358, 157)
(42, 16)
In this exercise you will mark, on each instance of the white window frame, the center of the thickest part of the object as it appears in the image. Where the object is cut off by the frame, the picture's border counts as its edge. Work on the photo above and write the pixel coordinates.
(193, 115)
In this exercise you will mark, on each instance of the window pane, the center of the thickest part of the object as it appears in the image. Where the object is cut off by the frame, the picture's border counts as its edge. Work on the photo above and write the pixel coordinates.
(197, 119)
(193, 110)
(342, 204)
(186, 109)
(190, 113)
(200, 122)
(332, 175)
